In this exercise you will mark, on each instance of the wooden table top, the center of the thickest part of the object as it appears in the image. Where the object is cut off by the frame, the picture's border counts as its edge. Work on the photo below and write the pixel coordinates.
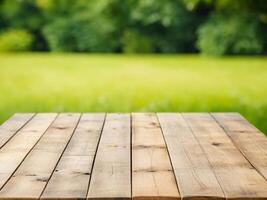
(138, 155)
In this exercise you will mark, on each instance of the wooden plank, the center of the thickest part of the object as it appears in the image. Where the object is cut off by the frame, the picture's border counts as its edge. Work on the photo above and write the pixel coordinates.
(33, 174)
(13, 153)
(10, 127)
(152, 173)
(195, 177)
(250, 141)
(71, 177)
(238, 179)
(111, 175)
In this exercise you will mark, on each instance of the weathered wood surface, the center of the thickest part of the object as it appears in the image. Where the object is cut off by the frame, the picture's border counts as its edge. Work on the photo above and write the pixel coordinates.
(193, 171)
(14, 152)
(152, 173)
(11, 126)
(251, 142)
(192, 156)
(71, 177)
(111, 177)
(32, 175)
(236, 175)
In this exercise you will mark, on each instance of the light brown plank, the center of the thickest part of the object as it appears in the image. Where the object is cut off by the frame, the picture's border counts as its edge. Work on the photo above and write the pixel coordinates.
(195, 177)
(238, 179)
(111, 175)
(71, 178)
(250, 141)
(31, 177)
(152, 174)
(10, 127)
(13, 153)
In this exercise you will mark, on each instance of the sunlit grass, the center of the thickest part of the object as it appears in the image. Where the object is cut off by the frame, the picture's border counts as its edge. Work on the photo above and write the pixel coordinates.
(120, 83)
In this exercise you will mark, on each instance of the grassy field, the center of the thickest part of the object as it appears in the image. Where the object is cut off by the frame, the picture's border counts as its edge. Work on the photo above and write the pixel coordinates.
(119, 83)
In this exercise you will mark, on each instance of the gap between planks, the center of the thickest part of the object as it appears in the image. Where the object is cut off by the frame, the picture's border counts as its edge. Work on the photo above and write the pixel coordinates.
(32, 175)
(21, 145)
(14, 124)
(71, 178)
(247, 138)
(238, 179)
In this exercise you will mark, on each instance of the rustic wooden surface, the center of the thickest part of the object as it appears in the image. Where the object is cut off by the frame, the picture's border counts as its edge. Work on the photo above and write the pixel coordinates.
(132, 156)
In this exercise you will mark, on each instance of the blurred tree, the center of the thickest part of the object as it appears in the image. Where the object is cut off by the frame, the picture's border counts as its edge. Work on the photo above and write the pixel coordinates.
(24, 14)
(230, 33)
(168, 22)
(21, 14)
(161, 26)
(138, 26)
(235, 27)
(79, 34)
(258, 7)
(2, 21)
(90, 27)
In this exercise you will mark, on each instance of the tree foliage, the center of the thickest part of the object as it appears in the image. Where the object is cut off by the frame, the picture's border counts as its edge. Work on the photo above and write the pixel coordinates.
(139, 26)
(234, 33)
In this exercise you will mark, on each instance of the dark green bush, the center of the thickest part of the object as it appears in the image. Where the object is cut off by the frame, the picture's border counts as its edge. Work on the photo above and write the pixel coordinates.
(22, 14)
(78, 34)
(171, 26)
(134, 42)
(230, 33)
(15, 40)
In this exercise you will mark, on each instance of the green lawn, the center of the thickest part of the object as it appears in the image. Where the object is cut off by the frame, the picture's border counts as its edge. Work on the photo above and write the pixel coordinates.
(119, 83)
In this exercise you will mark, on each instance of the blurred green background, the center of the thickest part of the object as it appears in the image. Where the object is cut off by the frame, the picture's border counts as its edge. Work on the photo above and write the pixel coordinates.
(134, 55)
(214, 27)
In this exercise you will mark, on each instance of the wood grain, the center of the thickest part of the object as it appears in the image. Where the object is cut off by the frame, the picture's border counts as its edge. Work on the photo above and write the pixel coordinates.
(33, 174)
(250, 141)
(194, 174)
(10, 127)
(238, 179)
(71, 178)
(111, 176)
(143, 156)
(13, 153)
(152, 174)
